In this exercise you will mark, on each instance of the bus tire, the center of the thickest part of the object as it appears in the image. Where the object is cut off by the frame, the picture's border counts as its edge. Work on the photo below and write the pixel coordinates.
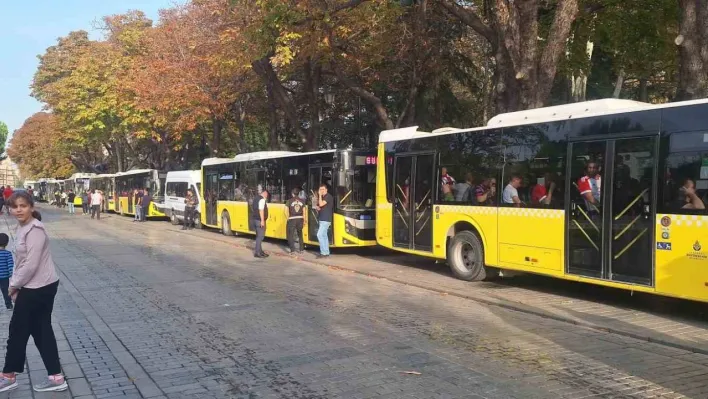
(173, 218)
(226, 224)
(466, 257)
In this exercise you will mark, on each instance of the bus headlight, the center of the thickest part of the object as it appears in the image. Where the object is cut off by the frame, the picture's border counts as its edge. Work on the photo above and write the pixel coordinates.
(348, 228)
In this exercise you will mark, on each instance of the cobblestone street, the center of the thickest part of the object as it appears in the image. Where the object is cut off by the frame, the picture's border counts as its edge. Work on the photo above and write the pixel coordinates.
(144, 311)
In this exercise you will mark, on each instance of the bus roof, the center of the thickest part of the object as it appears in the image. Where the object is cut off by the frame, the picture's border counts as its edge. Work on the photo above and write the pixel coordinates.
(548, 114)
(81, 175)
(180, 174)
(256, 156)
(105, 175)
(133, 172)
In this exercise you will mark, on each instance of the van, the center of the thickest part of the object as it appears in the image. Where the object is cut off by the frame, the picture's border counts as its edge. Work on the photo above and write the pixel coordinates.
(176, 185)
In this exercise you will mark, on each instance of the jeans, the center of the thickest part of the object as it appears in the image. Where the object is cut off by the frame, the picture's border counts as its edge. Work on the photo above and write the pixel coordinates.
(4, 286)
(85, 207)
(138, 213)
(96, 212)
(33, 317)
(71, 208)
(323, 237)
(295, 229)
(144, 209)
(260, 234)
(188, 217)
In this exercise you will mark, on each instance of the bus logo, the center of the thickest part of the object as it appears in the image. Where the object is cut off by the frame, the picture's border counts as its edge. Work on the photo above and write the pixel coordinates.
(666, 221)
(697, 246)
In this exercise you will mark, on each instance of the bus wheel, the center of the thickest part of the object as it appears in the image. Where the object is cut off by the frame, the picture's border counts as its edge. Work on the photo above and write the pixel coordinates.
(173, 218)
(466, 257)
(226, 224)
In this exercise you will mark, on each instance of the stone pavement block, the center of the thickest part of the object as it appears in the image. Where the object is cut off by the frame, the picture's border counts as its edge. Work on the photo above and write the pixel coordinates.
(79, 386)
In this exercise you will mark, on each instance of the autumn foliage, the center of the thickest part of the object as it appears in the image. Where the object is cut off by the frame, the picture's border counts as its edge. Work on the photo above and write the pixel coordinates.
(220, 77)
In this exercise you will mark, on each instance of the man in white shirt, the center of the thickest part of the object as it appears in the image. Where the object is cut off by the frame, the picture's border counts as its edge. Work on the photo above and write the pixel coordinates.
(96, 200)
(511, 194)
(260, 216)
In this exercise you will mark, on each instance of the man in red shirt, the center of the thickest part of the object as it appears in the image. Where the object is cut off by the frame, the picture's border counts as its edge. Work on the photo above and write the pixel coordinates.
(590, 185)
(542, 195)
(7, 193)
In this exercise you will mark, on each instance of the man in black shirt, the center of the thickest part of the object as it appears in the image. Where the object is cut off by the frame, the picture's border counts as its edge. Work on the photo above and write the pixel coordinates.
(295, 219)
(146, 200)
(325, 207)
(70, 200)
(260, 215)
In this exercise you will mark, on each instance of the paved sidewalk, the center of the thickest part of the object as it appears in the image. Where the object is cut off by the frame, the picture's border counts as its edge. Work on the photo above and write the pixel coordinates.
(626, 313)
(146, 312)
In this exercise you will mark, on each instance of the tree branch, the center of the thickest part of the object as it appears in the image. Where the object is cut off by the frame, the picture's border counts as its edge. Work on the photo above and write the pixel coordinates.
(471, 19)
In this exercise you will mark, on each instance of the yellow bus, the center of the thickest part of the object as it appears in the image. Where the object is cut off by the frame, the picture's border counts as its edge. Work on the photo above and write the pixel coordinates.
(128, 183)
(78, 183)
(608, 192)
(106, 184)
(229, 186)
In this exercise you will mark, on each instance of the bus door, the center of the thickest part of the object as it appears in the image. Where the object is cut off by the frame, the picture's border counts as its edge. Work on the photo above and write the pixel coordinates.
(612, 236)
(318, 174)
(210, 197)
(414, 185)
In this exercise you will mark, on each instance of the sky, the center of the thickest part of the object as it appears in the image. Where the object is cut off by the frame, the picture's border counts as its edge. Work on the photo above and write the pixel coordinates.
(30, 26)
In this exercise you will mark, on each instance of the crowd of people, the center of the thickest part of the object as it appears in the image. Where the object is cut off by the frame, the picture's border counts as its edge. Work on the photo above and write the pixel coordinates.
(91, 201)
(323, 203)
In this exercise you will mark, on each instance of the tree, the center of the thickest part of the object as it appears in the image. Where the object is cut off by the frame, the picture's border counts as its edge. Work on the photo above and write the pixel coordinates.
(526, 50)
(3, 137)
(40, 149)
(692, 42)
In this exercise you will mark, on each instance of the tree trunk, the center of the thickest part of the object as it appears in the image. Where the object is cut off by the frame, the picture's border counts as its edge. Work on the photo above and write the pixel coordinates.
(693, 50)
(643, 91)
(313, 72)
(273, 143)
(217, 128)
(382, 116)
(525, 72)
(264, 69)
(618, 84)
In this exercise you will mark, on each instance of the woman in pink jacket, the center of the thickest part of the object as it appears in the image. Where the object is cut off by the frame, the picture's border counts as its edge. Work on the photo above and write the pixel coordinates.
(33, 287)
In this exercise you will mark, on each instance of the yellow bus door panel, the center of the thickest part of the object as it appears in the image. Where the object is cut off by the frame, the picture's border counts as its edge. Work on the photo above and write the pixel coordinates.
(533, 233)
(530, 258)
(383, 221)
(682, 256)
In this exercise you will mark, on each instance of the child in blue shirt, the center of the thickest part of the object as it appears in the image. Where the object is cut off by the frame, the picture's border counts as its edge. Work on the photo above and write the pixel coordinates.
(6, 266)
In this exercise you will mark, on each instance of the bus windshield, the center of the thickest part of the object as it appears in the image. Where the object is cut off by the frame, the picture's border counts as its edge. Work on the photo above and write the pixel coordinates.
(356, 184)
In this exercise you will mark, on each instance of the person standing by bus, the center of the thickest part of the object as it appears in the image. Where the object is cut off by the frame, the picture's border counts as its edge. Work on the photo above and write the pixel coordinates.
(70, 201)
(145, 204)
(190, 205)
(6, 193)
(325, 208)
(137, 198)
(85, 202)
(96, 204)
(33, 286)
(260, 216)
(294, 212)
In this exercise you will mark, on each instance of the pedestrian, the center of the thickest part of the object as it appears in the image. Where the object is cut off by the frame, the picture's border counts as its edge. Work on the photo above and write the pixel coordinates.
(33, 286)
(325, 208)
(6, 193)
(260, 216)
(57, 199)
(85, 202)
(95, 205)
(6, 266)
(145, 204)
(2, 199)
(70, 198)
(190, 205)
(64, 196)
(294, 212)
(137, 198)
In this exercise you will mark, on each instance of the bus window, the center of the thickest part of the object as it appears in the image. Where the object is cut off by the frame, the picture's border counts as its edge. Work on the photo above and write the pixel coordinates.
(356, 185)
(685, 174)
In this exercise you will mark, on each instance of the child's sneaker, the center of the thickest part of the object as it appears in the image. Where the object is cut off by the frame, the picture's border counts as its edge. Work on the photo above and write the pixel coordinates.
(52, 383)
(7, 384)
